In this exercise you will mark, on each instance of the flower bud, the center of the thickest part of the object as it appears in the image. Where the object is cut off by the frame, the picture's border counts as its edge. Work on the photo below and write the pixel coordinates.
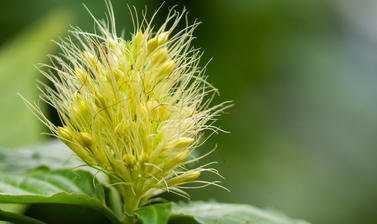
(117, 73)
(138, 38)
(160, 56)
(152, 44)
(90, 58)
(85, 139)
(167, 68)
(177, 159)
(81, 75)
(67, 137)
(181, 142)
(64, 133)
(163, 37)
(157, 41)
(183, 178)
(129, 160)
(100, 101)
(144, 157)
(80, 109)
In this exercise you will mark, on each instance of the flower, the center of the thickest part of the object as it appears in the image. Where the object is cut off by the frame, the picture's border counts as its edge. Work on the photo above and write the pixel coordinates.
(133, 109)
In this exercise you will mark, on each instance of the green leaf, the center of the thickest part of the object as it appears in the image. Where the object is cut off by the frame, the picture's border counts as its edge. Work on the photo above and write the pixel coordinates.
(54, 155)
(64, 186)
(17, 218)
(154, 214)
(18, 75)
(209, 213)
(223, 213)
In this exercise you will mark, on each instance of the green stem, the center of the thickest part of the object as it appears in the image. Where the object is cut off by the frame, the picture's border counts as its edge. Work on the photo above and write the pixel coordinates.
(18, 219)
(130, 203)
(129, 220)
(130, 200)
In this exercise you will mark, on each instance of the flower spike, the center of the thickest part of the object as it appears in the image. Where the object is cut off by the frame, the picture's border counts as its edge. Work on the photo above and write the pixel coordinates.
(133, 109)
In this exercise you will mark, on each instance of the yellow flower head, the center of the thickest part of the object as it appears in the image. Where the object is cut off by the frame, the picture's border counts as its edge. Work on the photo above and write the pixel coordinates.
(133, 108)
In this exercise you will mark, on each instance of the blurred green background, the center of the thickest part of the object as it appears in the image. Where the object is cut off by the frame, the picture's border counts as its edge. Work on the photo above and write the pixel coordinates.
(302, 75)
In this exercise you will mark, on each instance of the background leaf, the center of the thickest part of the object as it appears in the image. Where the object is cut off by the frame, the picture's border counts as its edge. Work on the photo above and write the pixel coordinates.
(53, 154)
(224, 213)
(17, 218)
(40, 160)
(18, 75)
(154, 214)
(64, 186)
